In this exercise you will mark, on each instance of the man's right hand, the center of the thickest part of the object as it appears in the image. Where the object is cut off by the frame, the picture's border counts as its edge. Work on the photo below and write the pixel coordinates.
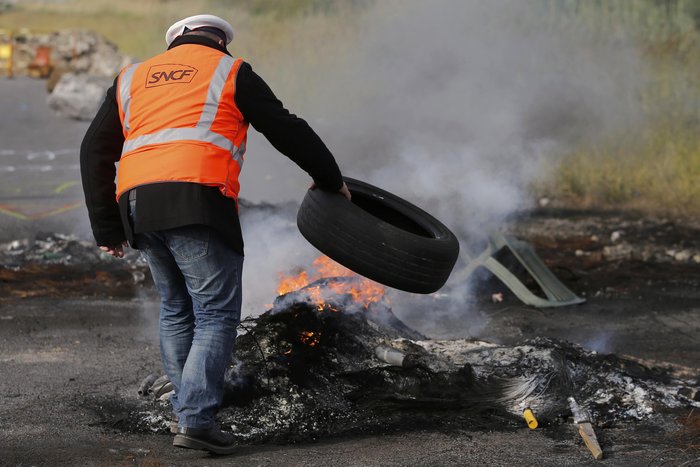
(345, 192)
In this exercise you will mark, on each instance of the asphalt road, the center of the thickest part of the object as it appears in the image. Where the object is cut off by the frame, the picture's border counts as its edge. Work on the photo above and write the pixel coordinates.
(68, 364)
(67, 359)
(39, 164)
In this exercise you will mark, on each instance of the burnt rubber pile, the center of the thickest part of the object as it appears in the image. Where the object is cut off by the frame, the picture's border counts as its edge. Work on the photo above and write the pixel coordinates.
(309, 368)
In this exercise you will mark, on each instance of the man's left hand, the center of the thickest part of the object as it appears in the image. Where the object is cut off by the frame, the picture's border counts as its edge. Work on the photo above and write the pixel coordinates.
(116, 250)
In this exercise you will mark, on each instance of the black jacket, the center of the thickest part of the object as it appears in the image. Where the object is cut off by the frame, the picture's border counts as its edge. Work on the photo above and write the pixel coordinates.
(162, 206)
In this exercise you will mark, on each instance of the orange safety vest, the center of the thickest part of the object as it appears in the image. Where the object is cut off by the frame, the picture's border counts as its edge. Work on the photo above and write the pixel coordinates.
(180, 120)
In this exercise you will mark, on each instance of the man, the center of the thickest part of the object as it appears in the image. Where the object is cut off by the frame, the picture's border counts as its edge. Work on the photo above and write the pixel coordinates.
(177, 125)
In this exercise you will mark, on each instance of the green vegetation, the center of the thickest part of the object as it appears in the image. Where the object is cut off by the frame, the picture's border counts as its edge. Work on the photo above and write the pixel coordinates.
(654, 166)
(137, 26)
(656, 171)
(281, 9)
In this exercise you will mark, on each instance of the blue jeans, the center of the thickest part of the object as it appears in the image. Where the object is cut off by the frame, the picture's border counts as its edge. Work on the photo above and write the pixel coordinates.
(198, 277)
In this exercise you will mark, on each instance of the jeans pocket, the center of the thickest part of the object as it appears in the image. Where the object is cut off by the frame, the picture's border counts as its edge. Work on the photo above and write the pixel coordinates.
(188, 243)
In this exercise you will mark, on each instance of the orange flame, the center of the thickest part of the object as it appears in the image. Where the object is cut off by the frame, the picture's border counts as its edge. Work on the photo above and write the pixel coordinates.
(310, 338)
(363, 291)
(289, 283)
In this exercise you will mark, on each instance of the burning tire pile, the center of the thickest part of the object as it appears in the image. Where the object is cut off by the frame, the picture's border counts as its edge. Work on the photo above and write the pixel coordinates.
(323, 361)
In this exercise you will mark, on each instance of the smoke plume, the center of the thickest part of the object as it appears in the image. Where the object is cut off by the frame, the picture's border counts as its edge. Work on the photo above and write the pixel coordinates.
(456, 105)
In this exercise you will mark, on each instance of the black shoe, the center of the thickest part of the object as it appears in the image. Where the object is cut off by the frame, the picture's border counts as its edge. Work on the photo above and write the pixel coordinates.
(211, 439)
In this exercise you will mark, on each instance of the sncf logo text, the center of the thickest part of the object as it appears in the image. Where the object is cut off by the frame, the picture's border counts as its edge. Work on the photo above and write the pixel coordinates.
(159, 75)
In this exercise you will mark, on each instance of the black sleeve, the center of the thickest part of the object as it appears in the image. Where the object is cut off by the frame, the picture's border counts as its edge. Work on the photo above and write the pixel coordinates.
(101, 148)
(289, 134)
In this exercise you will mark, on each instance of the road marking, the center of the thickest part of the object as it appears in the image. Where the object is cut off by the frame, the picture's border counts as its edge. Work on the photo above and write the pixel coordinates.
(39, 161)
(42, 215)
(64, 186)
(38, 168)
(47, 155)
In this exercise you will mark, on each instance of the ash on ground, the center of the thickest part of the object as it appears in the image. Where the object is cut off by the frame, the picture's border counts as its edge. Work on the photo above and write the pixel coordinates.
(47, 248)
(305, 370)
(55, 248)
(54, 264)
(57, 265)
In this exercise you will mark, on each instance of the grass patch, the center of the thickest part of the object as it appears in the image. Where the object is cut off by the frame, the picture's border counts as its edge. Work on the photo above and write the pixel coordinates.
(138, 27)
(656, 171)
(654, 167)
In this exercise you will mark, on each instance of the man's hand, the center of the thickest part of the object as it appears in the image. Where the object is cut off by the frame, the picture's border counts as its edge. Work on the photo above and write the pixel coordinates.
(343, 190)
(117, 250)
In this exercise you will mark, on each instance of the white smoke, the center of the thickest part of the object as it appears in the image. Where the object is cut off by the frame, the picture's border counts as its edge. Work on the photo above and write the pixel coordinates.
(456, 105)
(273, 245)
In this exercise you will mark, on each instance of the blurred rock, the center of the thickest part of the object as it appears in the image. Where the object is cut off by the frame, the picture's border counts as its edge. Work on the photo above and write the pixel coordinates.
(618, 252)
(82, 50)
(683, 255)
(138, 276)
(72, 50)
(78, 96)
(81, 66)
(15, 247)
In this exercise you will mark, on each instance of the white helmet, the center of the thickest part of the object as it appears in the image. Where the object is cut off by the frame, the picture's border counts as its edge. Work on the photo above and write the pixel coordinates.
(199, 21)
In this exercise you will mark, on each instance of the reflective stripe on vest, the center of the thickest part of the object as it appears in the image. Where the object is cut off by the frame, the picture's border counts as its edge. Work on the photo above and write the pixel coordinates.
(125, 94)
(201, 132)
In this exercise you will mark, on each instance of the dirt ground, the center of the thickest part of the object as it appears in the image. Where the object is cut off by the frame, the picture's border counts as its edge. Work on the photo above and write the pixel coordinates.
(76, 341)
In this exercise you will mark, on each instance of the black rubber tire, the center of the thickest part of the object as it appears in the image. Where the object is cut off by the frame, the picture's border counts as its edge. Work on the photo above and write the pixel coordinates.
(380, 236)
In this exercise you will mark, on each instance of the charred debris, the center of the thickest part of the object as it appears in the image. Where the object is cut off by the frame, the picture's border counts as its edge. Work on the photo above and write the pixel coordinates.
(329, 357)
(308, 368)
(55, 265)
